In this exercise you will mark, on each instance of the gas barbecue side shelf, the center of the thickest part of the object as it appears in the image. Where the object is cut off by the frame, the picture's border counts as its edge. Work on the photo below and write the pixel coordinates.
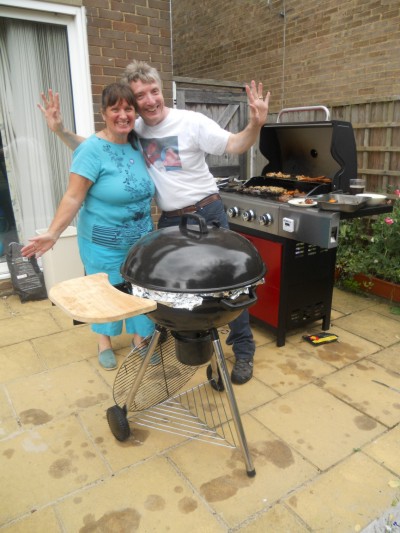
(367, 212)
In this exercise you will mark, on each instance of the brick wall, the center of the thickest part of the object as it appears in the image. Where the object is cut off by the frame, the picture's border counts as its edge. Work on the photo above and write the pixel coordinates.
(306, 53)
(122, 30)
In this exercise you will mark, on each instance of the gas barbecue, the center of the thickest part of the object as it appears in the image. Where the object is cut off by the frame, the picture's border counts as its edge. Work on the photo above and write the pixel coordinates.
(305, 161)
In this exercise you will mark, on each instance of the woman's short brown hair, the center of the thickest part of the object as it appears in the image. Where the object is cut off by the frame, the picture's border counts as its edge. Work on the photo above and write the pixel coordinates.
(114, 93)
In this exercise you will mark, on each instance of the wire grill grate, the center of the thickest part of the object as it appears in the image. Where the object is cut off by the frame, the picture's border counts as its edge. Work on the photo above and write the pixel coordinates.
(159, 382)
(199, 413)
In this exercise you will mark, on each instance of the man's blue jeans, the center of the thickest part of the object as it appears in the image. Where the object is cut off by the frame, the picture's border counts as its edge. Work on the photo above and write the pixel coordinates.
(240, 336)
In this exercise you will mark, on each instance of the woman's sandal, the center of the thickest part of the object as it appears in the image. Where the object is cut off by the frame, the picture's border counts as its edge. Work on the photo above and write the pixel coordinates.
(107, 359)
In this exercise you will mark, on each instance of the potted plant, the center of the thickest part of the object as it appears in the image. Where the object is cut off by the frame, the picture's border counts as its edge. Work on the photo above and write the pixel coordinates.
(368, 255)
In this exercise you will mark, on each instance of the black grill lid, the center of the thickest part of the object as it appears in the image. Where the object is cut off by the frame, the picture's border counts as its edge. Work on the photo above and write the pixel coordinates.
(325, 148)
(195, 259)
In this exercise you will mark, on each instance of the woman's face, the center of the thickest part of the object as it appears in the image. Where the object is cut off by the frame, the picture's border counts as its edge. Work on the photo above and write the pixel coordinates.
(119, 118)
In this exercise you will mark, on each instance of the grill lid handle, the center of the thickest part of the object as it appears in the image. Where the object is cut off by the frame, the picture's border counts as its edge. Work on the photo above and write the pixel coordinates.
(231, 306)
(199, 219)
(303, 109)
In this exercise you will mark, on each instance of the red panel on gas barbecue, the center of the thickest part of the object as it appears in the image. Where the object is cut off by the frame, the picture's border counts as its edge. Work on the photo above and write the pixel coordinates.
(267, 307)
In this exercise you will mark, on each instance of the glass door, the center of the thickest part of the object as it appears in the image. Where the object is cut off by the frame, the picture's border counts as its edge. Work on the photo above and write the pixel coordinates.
(40, 48)
(8, 231)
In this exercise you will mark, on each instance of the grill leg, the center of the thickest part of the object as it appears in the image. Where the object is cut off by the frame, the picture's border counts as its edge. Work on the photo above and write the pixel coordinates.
(142, 369)
(219, 354)
(214, 368)
(326, 322)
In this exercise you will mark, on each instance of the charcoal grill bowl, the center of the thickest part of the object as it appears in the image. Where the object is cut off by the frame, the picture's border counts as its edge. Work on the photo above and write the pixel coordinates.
(212, 313)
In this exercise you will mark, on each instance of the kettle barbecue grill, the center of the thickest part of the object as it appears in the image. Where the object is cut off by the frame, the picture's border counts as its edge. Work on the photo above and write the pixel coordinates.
(190, 280)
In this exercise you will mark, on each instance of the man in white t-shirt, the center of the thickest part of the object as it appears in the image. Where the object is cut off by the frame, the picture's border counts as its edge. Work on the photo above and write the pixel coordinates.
(175, 143)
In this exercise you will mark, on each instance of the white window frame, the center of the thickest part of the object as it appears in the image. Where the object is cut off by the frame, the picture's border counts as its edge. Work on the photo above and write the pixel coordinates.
(74, 19)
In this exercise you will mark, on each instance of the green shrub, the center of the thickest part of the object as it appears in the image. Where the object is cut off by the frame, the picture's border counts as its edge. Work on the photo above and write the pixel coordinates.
(371, 246)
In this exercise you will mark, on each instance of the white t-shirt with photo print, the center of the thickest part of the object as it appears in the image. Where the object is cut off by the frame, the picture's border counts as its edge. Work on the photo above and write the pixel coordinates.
(175, 151)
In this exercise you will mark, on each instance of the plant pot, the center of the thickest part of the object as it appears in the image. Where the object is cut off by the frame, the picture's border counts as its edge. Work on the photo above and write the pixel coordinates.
(379, 287)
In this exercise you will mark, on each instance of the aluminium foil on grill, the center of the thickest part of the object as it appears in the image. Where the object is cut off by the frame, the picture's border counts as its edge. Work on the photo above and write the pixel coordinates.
(188, 301)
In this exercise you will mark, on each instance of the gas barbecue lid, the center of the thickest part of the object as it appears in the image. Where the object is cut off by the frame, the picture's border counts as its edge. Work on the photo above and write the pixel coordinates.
(196, 258)
(322, 148)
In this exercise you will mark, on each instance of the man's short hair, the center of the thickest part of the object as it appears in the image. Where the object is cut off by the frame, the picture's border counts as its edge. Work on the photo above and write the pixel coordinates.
(140, 70)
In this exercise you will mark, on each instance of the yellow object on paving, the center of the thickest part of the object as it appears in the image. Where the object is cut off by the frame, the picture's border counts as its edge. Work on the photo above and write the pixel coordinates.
(322, 424)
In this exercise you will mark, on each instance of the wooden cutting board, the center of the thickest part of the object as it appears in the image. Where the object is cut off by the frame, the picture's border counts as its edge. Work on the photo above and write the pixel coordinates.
(94, 300)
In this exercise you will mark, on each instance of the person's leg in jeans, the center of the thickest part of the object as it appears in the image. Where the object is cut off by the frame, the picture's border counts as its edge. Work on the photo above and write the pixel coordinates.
(240, 336)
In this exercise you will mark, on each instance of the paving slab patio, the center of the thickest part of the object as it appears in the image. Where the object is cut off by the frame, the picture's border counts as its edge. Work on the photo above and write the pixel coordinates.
(322, 425)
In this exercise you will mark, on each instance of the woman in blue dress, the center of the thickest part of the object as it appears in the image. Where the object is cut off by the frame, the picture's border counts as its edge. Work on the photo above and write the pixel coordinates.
(110, 187)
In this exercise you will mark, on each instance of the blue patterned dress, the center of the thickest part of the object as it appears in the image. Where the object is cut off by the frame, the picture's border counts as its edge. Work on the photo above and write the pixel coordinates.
(115, 214)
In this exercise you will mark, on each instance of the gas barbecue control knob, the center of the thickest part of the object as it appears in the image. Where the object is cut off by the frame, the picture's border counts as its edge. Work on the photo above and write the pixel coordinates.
(248, 215)
(233, 212)
(265, 219)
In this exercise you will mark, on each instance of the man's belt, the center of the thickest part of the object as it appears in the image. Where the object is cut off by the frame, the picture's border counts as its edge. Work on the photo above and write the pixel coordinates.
(193, 208)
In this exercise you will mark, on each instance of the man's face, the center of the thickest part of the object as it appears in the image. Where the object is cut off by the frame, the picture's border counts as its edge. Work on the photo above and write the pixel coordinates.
(149, 101)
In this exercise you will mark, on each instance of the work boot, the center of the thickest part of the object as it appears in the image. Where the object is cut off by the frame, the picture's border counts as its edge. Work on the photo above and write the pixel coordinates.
(242, 371)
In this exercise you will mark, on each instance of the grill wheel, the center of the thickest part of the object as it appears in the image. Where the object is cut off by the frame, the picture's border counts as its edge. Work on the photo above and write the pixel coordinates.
(116, 418)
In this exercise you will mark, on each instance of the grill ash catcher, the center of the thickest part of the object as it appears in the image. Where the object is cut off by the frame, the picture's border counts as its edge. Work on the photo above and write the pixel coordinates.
(189, 280)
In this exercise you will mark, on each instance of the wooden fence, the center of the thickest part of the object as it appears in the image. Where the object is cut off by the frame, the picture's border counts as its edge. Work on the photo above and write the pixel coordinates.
(376, 128)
